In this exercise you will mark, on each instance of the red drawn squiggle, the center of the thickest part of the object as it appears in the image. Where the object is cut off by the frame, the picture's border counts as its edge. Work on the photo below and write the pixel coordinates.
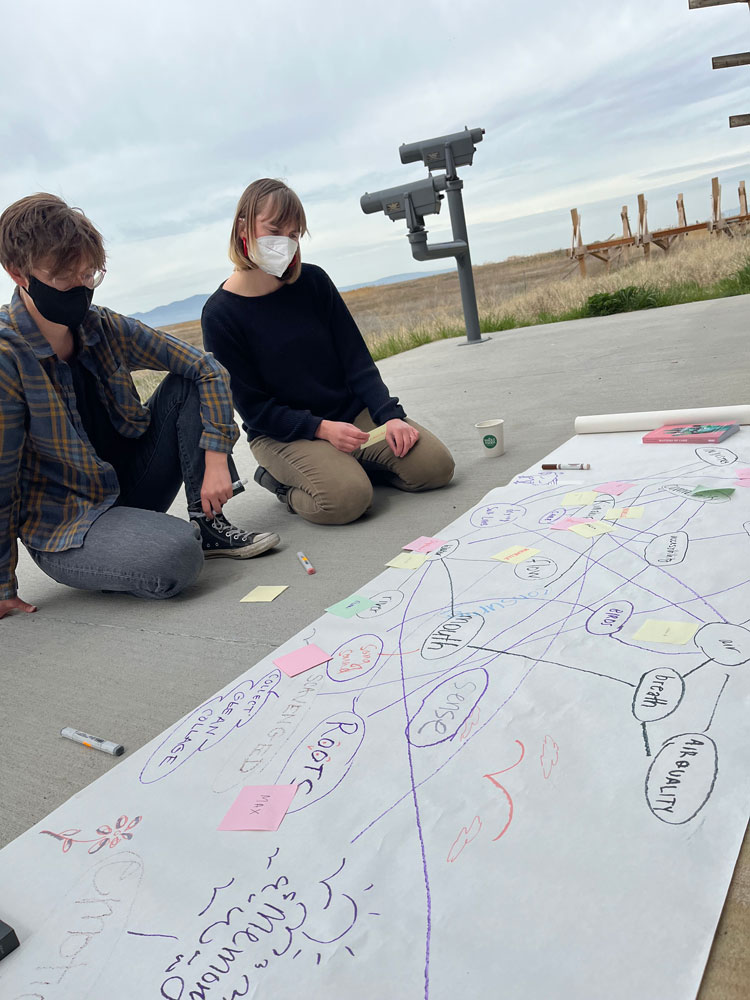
(549, 756)
(472, 721)
(493, 776)
(465, 837)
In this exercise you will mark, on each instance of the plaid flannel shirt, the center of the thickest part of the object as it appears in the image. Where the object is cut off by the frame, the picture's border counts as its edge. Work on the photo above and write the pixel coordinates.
(53, 486)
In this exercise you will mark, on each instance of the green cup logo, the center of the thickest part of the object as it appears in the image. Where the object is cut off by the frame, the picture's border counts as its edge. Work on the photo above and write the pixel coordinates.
(489, 441)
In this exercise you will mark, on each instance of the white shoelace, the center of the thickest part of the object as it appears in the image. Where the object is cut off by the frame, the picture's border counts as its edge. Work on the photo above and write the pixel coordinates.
(231, 532)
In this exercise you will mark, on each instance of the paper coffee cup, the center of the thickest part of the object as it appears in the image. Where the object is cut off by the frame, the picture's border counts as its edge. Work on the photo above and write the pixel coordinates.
(491, 436)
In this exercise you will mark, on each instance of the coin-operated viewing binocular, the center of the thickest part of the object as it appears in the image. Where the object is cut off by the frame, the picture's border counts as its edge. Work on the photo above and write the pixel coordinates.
(461, 146)
(412, 201)
(408, 201)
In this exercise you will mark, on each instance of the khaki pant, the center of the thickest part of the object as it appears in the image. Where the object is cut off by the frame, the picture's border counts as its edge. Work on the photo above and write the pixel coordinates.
(331, 487)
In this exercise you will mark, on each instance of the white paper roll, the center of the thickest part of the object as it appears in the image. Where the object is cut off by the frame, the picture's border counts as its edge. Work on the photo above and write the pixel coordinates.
(604, 423)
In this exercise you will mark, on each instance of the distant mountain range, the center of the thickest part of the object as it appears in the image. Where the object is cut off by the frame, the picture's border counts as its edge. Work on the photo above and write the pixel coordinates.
(189, 310)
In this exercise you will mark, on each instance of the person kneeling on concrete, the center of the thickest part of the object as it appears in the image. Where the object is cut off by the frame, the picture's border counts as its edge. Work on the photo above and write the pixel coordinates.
(86, 470)
(303, 379)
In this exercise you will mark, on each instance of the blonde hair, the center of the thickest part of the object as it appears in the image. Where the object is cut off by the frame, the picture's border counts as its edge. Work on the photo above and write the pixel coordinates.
(287, 209)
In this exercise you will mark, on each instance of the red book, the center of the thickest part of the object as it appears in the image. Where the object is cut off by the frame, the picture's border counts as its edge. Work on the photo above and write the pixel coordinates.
(690, 433)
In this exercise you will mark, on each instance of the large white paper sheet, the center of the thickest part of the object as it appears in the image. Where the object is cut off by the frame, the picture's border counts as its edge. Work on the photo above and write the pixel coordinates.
(501, 791)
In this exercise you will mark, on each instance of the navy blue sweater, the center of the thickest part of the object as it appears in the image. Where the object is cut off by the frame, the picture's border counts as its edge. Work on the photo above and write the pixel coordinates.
(295, 357)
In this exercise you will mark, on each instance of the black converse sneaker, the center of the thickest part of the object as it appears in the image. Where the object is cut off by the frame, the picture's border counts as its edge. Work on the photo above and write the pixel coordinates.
(220, 538)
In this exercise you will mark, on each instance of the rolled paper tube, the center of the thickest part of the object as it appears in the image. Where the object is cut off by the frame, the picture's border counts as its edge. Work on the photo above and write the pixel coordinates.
(605, 423)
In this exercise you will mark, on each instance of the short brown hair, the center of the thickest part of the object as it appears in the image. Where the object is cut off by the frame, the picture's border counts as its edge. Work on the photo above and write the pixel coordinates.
(287, 209)
(42, 227)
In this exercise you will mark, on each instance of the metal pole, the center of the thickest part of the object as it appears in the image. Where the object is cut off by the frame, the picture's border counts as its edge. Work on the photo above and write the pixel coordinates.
(463, 260)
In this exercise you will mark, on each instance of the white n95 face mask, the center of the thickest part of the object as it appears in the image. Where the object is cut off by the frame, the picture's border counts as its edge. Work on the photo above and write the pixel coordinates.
(274, 254)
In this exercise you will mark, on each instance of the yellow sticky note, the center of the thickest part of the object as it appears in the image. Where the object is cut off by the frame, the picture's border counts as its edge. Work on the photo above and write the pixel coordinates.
(515, 554)
(678, 633)
(407, 560)
(377, 434)
(258, 594)
(591, 529)
(622, 512)
(580, 498)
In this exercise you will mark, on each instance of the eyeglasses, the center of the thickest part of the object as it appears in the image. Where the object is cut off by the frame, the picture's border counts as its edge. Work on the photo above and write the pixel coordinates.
(70, 279)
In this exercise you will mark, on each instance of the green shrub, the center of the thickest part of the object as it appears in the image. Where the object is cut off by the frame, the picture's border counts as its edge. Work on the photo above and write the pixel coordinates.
(626, 299)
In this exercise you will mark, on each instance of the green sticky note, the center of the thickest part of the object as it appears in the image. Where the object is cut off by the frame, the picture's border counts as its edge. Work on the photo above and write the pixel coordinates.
(677, 633)
(711, 491)
(350, 606)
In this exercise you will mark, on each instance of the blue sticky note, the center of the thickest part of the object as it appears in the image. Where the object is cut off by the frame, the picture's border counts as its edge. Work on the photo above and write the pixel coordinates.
(350, 606)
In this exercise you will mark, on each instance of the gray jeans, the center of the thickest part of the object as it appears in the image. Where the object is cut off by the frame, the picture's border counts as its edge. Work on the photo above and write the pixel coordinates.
(134, 547)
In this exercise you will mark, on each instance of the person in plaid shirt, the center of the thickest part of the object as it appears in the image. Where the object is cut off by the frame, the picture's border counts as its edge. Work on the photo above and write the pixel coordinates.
(87, 471)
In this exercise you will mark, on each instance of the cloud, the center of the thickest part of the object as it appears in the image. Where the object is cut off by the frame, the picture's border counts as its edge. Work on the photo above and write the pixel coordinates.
(154, 117)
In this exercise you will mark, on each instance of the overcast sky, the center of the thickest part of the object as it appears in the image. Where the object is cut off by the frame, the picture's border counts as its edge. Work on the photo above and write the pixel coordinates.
(154, 116)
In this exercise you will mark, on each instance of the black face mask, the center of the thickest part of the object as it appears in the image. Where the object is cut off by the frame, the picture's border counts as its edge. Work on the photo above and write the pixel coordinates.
(68, 308)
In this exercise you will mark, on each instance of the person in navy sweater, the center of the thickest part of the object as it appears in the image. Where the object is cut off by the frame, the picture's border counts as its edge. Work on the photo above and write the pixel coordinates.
(302, 378)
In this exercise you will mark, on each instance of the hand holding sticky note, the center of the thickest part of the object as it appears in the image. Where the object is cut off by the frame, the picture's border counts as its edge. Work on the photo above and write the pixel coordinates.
(377, 434)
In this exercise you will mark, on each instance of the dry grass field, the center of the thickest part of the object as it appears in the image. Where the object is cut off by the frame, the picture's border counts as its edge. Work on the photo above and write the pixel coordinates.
(382, 310)
(516, 292)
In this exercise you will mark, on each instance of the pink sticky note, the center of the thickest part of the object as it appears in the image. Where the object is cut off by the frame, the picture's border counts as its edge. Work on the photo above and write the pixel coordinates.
(424, 544)
(743, 473)
(614, 489)
(301, 659)
(259, 807)
(567, 522)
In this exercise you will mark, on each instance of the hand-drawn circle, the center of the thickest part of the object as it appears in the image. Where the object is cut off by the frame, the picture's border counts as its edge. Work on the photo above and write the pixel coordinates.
(446, 549)
(598, 508)
(668, 549)
(609, 618)
(446, 707)
(658, 694)
(536, 568)
(384, 602)
(681, 777)
(725, 643)
(493, 514)
(713, 455)
(316, 766)
(354, 658)
(553, 515)
(452, 635)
